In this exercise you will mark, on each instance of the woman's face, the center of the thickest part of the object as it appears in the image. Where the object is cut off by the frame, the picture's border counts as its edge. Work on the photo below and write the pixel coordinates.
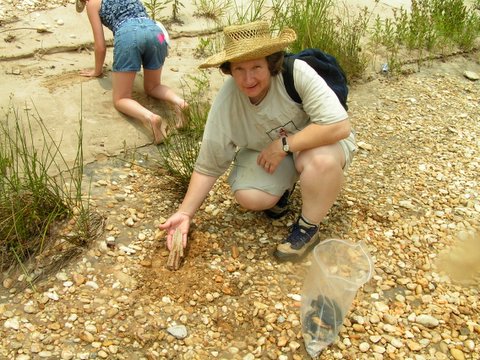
(252, 78)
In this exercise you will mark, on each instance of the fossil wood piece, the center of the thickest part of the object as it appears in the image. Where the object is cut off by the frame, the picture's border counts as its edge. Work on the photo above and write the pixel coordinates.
(176, 254)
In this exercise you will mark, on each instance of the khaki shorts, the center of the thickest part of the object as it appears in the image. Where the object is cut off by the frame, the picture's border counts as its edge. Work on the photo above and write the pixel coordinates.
(246, 174)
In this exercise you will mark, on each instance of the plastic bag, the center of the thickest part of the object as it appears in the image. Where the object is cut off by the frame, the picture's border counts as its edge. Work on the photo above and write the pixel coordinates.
(338, 269)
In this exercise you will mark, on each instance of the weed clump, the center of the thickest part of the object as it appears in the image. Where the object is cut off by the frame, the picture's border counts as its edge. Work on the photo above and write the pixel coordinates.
(39, 192)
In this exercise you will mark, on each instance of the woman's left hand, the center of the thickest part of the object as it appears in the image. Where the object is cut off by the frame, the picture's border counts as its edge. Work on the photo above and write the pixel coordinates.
(270, 157)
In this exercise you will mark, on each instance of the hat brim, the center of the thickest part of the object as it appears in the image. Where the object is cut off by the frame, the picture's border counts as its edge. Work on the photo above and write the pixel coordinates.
(79, 5)
(280, 43)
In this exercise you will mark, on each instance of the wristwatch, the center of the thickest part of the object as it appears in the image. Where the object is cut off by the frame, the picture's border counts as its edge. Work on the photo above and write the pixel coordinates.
(285, 146)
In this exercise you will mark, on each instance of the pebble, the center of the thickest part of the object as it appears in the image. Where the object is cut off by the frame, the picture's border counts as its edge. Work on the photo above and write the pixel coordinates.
(178, 331)
(12, 323)
(364, 347)
(23, 357)
(427, 321)
(396, 343)
(457, 354)
(471, 75)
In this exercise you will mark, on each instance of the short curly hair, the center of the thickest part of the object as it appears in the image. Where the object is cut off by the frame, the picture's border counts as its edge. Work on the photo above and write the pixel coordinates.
(275, 62)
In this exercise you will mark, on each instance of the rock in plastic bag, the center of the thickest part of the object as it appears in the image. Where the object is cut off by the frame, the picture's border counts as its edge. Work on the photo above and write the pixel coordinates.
(338, 269)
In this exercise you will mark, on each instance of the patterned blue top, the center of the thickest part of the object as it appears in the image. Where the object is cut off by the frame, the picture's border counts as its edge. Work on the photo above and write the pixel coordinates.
(114, 12)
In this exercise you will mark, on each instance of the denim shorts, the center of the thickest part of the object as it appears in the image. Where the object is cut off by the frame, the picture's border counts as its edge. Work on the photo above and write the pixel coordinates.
(139, 42)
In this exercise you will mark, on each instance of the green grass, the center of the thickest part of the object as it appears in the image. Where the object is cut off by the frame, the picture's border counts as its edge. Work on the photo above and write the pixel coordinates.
(430, 27)
(212, 9)
(39, 194)
(180, 149)
(155, 7)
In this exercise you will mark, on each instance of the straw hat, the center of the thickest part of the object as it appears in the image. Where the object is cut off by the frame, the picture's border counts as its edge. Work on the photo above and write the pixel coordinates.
(79, 5)
(249, 41)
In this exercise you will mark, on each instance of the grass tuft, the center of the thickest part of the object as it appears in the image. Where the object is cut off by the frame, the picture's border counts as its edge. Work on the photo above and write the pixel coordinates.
(180, 149)
(433, 26)
(41, 205)
(325, 25)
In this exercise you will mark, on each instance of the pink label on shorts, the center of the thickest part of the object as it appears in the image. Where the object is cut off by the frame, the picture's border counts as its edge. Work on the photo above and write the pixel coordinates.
(161, 38)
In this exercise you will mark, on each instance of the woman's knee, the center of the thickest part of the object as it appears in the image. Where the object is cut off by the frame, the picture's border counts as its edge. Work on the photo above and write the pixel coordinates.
(255, 200)
(322, 163)
(326, 163)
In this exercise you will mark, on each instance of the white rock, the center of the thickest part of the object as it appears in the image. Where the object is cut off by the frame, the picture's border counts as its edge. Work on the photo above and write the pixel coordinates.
(61, 276)
(127, 250)
(364, 145)
(178, 331)
(12, 323)
(52, 295)
(30, 308)
(471, 75)
(295, 297)
(380, 306)
(23, 357)
(378, 349)
(389, 328)
(375, 338)
(92, 284)
(427, 321)
(396, 343)
(91, 328)
(364, 347)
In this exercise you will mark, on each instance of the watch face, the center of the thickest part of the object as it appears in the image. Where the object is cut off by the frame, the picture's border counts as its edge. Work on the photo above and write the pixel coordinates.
(286, 148)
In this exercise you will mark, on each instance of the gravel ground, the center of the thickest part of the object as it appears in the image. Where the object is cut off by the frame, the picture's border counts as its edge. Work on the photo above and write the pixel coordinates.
(411, 195)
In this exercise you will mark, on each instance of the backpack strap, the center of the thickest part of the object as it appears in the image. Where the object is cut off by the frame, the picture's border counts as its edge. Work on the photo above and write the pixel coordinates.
(288, 78)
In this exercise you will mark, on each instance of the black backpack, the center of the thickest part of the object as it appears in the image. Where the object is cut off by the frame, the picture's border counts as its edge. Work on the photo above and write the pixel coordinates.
(325, 65)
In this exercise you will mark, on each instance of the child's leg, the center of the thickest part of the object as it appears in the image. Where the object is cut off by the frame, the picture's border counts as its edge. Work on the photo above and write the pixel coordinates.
(123, 102)
(154, 88)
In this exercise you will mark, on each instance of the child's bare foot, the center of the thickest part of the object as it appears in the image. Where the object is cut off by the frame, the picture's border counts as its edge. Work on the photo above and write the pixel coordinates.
(159, 128)
(180, 109)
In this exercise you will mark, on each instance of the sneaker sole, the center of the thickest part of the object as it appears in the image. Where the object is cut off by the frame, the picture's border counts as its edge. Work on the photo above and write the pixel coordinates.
(295, 257)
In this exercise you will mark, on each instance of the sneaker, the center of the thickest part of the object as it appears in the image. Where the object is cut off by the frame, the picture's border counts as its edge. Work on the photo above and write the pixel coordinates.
(303, 237)
(282, 206)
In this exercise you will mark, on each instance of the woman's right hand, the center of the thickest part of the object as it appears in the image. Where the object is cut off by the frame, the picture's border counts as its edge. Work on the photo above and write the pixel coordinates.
(180, 220)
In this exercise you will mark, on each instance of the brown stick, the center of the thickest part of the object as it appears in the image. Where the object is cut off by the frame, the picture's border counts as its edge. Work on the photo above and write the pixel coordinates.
(176, 254)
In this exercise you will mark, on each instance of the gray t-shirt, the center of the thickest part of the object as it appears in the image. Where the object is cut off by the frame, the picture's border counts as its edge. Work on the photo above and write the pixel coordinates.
(233, 122)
